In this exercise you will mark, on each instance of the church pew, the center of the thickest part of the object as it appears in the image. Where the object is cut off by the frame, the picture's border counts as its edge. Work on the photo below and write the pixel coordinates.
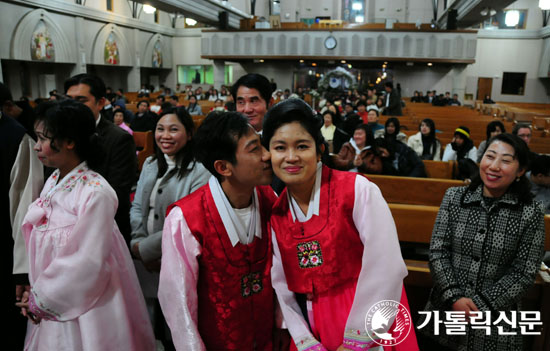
(132, 108)
(144, 143)
(415, 223)
(197, 120)
(131, 97)
(541, 124)
(413, 191)
(440, 169)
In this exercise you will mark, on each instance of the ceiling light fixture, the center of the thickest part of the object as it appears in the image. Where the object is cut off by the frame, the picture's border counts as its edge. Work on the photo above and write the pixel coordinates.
(512, 18)
(190, 22)
(149, 9)
(430, 64)
(488, 11)
(301, 61)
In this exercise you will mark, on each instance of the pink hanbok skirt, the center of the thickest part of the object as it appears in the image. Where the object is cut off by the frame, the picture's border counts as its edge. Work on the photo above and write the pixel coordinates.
(329, 314)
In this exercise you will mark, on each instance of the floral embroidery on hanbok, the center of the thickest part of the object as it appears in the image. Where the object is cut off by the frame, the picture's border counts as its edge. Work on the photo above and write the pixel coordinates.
(251, 284)
(309, 254)
(67, 184)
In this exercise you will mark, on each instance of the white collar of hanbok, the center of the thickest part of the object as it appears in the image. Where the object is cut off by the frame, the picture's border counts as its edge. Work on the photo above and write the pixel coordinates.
(313, 208)
(232, 223)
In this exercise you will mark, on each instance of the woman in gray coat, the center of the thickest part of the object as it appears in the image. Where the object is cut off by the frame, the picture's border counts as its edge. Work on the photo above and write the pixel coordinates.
(166, 177)
(486, 247)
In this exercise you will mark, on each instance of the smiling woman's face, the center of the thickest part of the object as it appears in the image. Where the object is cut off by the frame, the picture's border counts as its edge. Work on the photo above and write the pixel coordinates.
(498, 169)
(170, 134)
(293, 155)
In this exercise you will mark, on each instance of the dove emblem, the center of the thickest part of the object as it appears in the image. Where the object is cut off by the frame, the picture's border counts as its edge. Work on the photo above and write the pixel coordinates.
(389, 322)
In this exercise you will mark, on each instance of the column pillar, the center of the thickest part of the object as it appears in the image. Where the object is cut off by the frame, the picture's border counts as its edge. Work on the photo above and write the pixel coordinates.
(134, 76)
(80, 66)
(459, 81)
(219, 73)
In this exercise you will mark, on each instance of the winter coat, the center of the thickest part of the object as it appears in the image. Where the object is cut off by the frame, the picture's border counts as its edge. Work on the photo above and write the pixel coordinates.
(489, 252)
(415, 143)
(408, 163)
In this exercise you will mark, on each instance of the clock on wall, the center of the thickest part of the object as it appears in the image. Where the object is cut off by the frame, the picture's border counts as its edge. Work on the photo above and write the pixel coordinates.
(330, 42)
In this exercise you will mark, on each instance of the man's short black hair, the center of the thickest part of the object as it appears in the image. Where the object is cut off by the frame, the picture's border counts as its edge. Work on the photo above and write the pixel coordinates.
(142, 101)
(254, 81)
(217, 138)
(541, 165)
(174, 97)
(97, 87)
(389, 85)
(161, 97)
(5, 94)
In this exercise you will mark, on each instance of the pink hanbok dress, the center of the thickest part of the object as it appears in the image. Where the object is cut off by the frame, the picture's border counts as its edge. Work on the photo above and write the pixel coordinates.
(83, 282)
(349, 205)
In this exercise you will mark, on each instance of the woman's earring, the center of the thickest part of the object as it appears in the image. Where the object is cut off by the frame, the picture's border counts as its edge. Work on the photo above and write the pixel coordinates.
(517, 179)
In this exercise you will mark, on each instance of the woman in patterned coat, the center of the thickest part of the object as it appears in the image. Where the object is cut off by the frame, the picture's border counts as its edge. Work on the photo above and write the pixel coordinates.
(486, 246)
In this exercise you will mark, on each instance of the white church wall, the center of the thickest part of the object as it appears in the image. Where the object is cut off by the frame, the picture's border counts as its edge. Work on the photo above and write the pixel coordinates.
(496, 56)
(281, 72)
(423, 78)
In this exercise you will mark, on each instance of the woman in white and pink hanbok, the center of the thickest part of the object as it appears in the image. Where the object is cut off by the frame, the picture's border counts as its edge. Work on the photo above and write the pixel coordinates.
(84, 291)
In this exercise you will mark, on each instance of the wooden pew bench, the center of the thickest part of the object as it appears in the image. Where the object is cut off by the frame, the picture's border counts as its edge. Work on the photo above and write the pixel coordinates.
(440, 169)
(413, 191)
(144, 143)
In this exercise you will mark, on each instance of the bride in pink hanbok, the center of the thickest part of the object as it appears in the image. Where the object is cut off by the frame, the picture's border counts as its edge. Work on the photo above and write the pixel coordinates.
(335, 246)
(84, 290)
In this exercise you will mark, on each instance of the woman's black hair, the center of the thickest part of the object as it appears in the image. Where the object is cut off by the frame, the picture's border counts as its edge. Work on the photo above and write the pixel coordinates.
(336, 117)
(185, 155)
(391, 138)
(430, 138)
(492, 126)
(70, 120)
(369, 139)
(430, 123)
(288, 111)
(522, 187)
(395, 122)
(328, 112)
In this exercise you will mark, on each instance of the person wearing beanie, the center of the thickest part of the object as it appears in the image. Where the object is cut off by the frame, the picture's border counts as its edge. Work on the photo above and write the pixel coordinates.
(461, 146)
